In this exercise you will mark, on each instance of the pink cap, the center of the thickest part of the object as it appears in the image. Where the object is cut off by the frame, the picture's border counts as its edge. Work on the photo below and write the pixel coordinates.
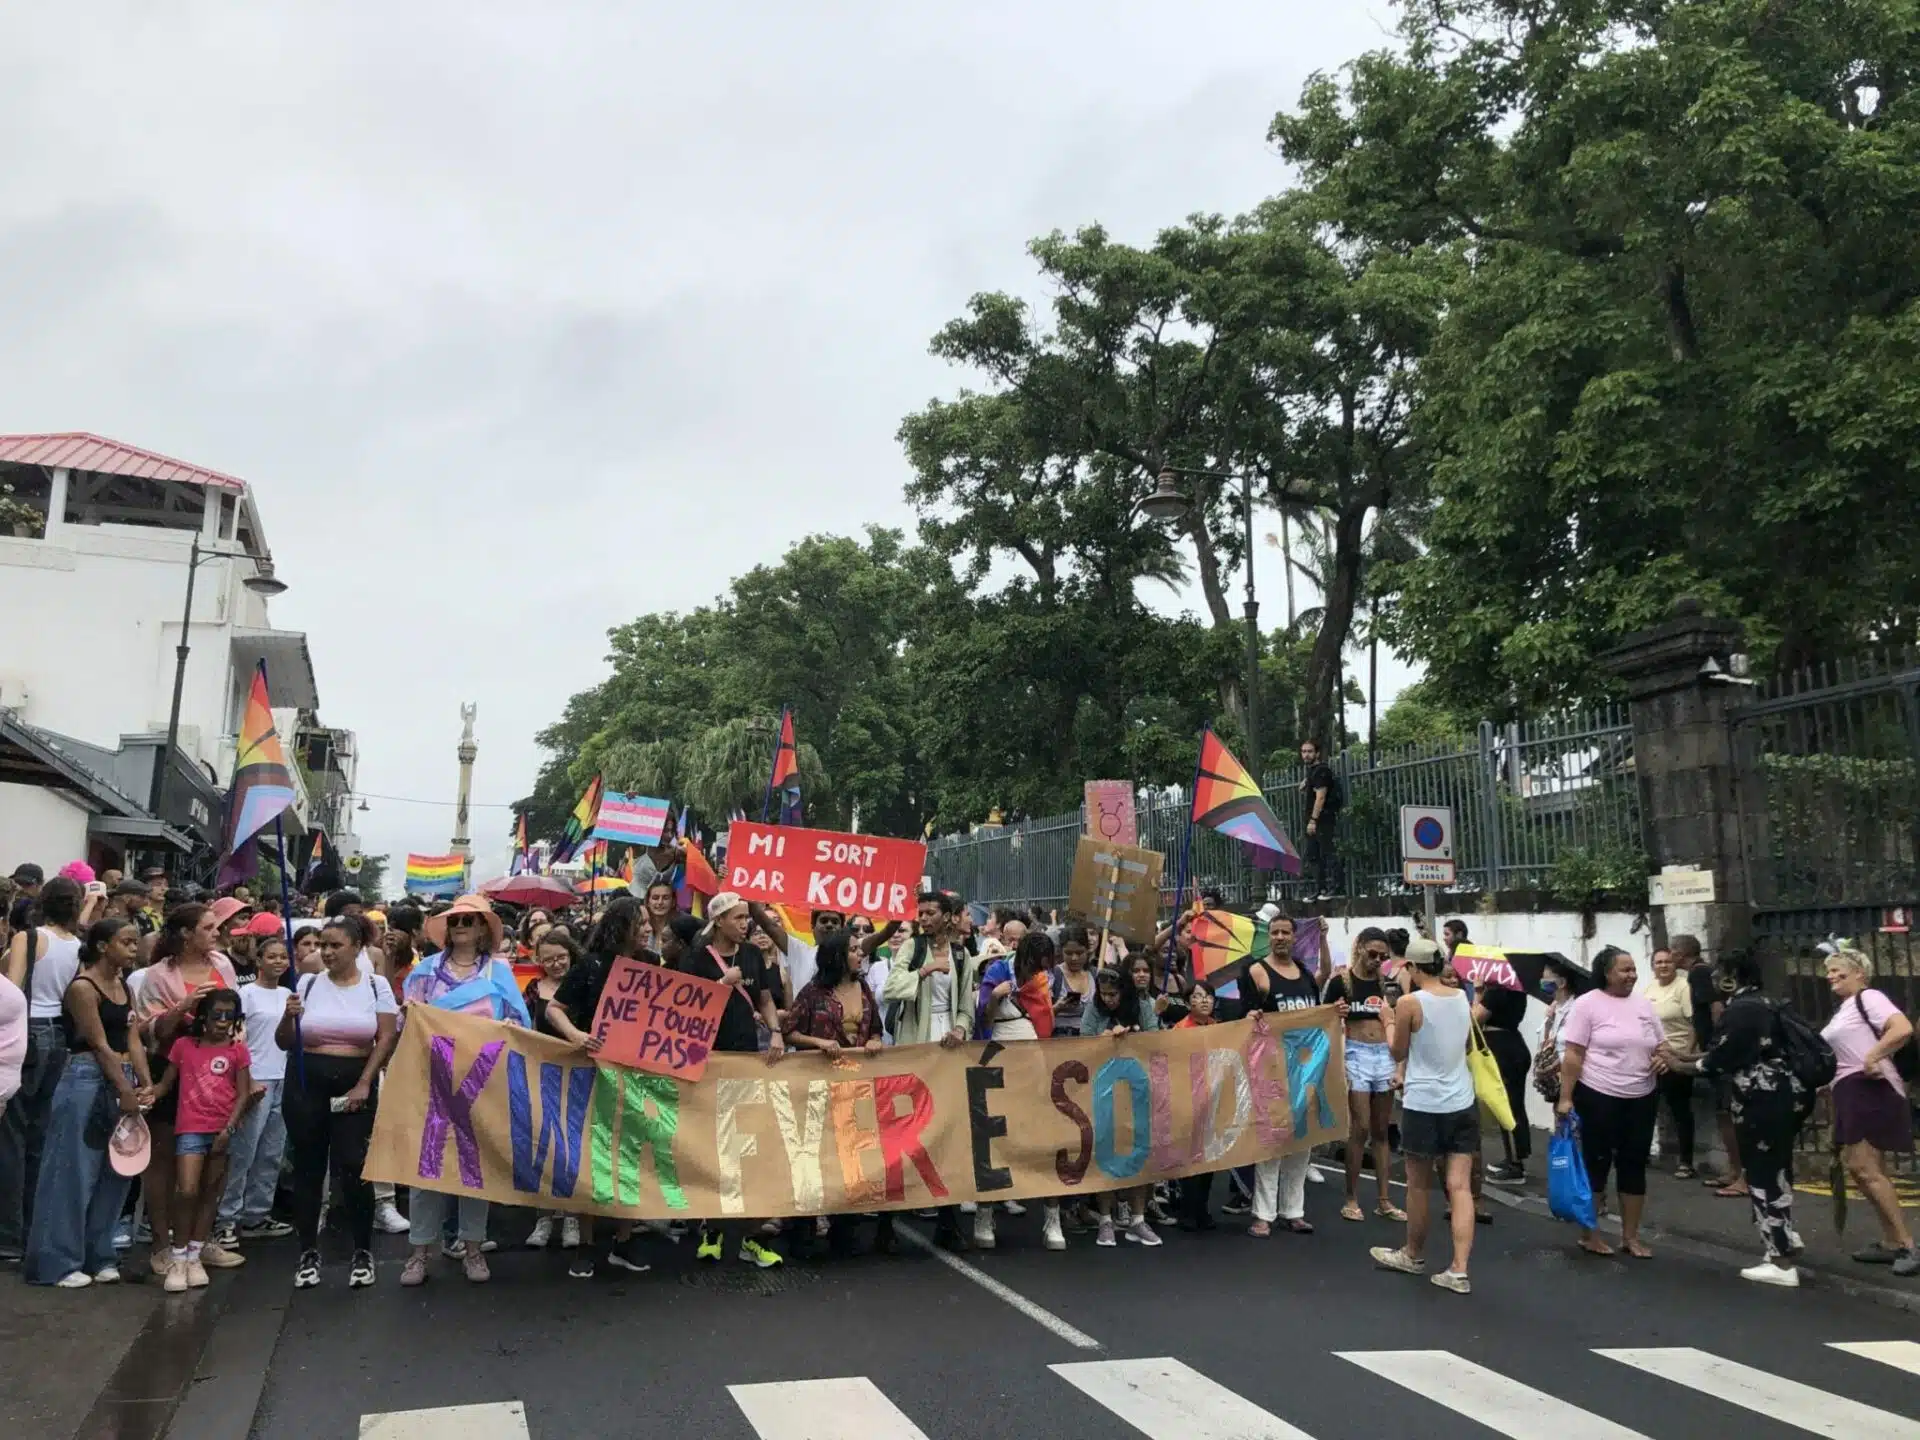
(80, 871)
(225, 908)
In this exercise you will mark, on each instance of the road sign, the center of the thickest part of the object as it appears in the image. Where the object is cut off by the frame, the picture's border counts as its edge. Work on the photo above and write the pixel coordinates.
(1426, 832)
(1427, 872)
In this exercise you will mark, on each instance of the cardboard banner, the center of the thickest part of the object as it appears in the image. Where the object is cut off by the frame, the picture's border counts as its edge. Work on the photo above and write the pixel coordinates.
(1117, 887)
(470, 1106)
(825, 869)
(1110, 813)
(658, 1020)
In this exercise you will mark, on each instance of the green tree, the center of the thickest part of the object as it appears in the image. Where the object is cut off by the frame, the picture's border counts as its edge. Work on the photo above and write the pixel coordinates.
(1685, 354)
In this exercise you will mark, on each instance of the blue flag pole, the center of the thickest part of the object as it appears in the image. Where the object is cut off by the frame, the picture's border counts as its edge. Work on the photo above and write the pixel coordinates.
(779, 734)
(1186, 847)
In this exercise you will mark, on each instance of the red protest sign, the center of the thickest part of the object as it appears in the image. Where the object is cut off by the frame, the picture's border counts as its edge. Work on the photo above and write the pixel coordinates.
(825, 870)
(1483, 965)
(656, 1019)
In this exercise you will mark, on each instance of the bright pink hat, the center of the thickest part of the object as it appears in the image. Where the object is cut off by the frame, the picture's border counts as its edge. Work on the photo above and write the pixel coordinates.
(80, 871)
(225, 908)
(264, 924)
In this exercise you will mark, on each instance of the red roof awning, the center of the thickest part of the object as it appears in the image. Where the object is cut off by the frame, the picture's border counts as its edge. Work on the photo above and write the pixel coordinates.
(77, 450)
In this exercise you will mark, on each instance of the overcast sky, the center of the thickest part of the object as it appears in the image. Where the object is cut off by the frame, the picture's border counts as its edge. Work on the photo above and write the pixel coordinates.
(524, 317)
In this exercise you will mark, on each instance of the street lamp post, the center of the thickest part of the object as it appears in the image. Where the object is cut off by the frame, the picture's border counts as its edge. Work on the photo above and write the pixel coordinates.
(261, 582)
(1168, 502)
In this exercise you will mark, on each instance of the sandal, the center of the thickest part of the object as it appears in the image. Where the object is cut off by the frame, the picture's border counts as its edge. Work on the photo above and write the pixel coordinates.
(1351, 1211)
(1389, 1211)
(1298, 1227)
(1259, 1229)
(1732, 1192)
(1683, 1172)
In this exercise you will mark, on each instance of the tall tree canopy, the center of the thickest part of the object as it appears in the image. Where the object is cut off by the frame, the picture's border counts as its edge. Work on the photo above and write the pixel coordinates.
(1684, 355)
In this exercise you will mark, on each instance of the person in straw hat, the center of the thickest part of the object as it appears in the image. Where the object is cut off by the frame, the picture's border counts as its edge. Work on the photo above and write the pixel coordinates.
(467, 977)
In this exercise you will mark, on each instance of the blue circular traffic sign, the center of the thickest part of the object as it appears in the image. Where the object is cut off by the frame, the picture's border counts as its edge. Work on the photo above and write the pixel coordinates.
(1429, 833)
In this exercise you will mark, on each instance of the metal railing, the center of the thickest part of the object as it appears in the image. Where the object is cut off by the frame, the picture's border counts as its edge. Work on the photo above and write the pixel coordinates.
(1551, 804)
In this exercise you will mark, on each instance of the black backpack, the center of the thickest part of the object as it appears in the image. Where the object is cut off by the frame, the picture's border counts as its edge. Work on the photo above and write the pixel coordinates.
(1906, 1060)
(1808, 1055)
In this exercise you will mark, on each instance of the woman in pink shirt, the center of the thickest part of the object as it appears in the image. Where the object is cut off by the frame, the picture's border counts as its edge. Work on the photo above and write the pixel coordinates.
(1871, 1115)
(1606, 1077)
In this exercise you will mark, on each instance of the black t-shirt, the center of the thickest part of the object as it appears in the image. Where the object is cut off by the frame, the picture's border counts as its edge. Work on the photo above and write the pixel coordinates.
(1505, 1008)
(580, 991)
(1701, 987)
(739, 1024)
(1320, 777)
(1299, 993)
(1366, 999)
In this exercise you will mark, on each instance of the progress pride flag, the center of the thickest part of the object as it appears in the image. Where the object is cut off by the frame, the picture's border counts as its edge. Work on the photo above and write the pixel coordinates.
(825, 870)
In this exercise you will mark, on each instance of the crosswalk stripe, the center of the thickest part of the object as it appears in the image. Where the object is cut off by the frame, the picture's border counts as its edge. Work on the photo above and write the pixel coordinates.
(1166, 1400)
(1901, 1354)
(504, 1421)
(1517, 1411)
(1787, 1401)
(849, 1409)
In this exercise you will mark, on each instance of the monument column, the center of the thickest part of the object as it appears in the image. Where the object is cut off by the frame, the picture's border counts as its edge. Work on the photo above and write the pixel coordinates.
(462, 839)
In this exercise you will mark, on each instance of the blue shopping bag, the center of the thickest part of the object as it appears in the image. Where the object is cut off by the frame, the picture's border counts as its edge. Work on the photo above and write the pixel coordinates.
(1569, 1195)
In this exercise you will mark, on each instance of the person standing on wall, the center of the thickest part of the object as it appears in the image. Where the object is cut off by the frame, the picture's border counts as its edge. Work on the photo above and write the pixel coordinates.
(1323, 798)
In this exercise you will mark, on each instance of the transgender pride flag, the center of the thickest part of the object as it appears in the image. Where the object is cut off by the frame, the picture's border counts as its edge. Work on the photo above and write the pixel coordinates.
(631, 819)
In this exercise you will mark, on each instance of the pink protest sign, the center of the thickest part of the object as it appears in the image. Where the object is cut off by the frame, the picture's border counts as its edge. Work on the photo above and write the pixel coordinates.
(1110, 815)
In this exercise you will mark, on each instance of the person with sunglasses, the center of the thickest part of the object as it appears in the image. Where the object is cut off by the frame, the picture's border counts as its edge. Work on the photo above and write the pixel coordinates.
(1365, 998)
(467, 976)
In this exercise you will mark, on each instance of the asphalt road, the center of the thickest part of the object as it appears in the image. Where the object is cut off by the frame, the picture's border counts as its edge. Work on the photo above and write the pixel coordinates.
(1208, 1337)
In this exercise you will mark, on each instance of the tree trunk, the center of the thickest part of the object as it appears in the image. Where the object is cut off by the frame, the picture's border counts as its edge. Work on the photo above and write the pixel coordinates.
(1336, 623)
(1208, 565)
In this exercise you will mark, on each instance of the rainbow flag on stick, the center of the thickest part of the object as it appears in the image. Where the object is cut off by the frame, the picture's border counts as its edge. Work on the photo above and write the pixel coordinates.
(262, 786)
(579, 824)
(436, 874)
(631, 819)
(1227, 799)
(698, 880)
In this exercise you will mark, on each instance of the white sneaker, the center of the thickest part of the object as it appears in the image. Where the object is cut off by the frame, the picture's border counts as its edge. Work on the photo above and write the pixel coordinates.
(388, 1220)
(570, 1233)
(1314, 1177)
(1014, 1207)
(967, 1207)
(1141, 1233)
(1050, 1233)
(1768, 1273)
(107, 1275)
(983, 1228)
(76, 1280)
(542, 1235)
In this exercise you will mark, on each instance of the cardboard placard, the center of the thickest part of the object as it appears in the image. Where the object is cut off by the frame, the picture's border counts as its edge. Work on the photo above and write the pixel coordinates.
(1117, 887)
(658, 1020)
(1110, 813)
(825, 870)
(470, 1106)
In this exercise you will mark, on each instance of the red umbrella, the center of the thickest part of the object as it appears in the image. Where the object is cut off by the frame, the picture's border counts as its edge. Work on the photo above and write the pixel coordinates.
(541, 890)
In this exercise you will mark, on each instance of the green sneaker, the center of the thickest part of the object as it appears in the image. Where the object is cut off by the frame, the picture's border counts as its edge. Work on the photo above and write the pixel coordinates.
(709, 1248)
(756, 1254)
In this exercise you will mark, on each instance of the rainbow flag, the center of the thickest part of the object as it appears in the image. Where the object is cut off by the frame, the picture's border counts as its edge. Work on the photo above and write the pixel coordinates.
(262, 786)
(1221, 939)
(436, 874)
(578, 824)
(697, 880)
(603, 885)
(519, 846)
(631, 819)
(1226, 799)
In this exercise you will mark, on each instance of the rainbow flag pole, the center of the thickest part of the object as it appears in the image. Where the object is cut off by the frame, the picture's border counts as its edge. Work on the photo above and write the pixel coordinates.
(1186, 847)
(286, 924)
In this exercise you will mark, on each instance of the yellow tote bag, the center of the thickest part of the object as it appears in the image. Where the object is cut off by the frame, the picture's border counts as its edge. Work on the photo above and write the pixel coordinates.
(1487, 1084)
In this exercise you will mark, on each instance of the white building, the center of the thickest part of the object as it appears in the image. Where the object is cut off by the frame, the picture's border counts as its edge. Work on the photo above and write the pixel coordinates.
(103, 543)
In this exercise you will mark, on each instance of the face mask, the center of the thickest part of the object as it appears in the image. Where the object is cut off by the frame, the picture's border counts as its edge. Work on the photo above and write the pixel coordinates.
(1549, 987)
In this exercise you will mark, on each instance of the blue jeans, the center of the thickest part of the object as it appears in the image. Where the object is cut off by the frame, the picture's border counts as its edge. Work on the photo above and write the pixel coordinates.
(253, 1160)
(23, 1129)
(77, 1202)
(430, 1208)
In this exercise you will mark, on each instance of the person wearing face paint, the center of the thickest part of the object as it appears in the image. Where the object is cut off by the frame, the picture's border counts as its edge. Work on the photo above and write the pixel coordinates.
(208, 1068)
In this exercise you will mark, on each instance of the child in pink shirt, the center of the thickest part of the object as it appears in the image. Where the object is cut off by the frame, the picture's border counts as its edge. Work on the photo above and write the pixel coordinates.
(209, 1066)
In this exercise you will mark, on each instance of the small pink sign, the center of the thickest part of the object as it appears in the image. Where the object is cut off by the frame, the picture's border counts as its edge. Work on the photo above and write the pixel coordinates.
(1110, 814)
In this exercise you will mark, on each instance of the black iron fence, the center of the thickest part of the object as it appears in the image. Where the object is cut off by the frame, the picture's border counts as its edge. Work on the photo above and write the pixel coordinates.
(1549, 805)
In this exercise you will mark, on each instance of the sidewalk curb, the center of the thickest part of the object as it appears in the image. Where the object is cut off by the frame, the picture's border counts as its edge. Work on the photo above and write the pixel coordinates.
(1702, 1247)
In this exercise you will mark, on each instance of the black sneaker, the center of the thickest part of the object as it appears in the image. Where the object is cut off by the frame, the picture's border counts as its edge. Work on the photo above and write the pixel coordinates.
(627, 1257)
(1236, 1206)
(360, 1273)
(306, 1274)
(580, 1265)
(1509, 1176)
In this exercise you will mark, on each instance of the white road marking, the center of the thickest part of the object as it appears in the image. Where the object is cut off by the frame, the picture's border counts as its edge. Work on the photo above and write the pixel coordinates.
(1901, 1354)
(1517, 1411)
(850, 1409)
(1166, 1400)
(1787, 1401)
(506, 1421)
(1039, 1314)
